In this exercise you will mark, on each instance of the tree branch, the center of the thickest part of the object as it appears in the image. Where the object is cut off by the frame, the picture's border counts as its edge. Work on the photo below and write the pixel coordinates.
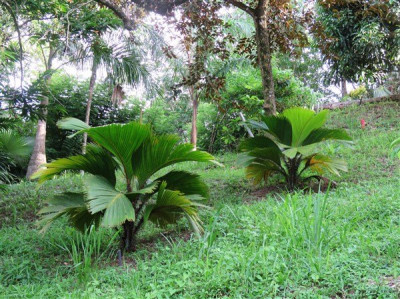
(242, 6)
(129, 24)
(21, 52)
(161, 7)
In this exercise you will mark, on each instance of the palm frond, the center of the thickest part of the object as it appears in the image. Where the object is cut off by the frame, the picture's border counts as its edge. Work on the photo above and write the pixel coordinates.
(172, 205)
(321, 163)
(185, 182)
(102, 197)
(159, 152)
(69, 204)
(96, 161)
(303, 122)
(323, 134)
(121, 140)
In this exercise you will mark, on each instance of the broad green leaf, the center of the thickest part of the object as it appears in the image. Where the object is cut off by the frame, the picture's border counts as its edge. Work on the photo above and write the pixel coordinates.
(102, 196)
(264, 162)
(121, 140)
(256, 142)
(96, 161)
(185, 182)
(280, 127)
(321, 163)
(170, 206)
(69, 204)
(257, 125)
(13, 144)
(159, 152)
(303, 122)
(323, 134)
(303, 150)
(73, 124)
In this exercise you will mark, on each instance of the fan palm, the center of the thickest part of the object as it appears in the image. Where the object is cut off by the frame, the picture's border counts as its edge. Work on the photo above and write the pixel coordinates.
(151, 190)
(13, 148)
(289, 146)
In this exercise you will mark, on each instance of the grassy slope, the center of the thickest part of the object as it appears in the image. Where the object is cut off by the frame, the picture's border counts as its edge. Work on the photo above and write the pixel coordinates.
(251, 249)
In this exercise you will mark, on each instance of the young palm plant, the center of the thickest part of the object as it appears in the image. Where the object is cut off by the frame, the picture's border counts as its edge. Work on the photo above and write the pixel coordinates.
(289, 146)
(14, 149)
(151, 189)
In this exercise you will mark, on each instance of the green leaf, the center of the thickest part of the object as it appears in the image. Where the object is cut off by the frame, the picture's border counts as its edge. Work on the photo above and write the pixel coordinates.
(303, 122)
(172, 205)
(73, 124)
(159, 152)
(257, 125)
(96, 161)
(121, 140)
(256, 142)
(321, 163)
(102, 196)
(13, 144)
(185, 182)
(279, 127)
(323, 134)
(69, 204)
(264, 162)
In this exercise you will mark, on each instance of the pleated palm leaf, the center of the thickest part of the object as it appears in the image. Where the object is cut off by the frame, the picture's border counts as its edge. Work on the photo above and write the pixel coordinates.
(289, 146)
(13, 150)
(152, 191)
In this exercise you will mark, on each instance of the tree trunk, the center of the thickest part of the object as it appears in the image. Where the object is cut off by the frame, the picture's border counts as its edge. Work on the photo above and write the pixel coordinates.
(344, 87)
(264, 53)
(193, 97)
(38, 157)
(128, 237)
(92, 83)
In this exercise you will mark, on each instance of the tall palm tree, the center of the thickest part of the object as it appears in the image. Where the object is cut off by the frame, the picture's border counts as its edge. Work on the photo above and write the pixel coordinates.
(118, 57)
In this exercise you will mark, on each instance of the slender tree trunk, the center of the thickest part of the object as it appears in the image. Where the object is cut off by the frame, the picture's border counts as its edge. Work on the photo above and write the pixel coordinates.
(38, 157)
(344, 87)
(195, 102)
(264, 53)
(92, 83)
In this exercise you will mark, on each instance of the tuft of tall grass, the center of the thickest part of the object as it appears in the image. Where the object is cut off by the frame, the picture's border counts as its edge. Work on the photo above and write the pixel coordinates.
(87, 249)
(302, 221)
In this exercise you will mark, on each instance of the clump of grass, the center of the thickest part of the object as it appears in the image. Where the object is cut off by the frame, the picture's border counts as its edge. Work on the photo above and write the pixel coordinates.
(86, 249)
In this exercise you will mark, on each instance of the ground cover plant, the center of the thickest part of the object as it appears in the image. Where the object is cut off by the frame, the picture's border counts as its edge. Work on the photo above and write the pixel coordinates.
(288, 145)
(147, 193)
(340, 244)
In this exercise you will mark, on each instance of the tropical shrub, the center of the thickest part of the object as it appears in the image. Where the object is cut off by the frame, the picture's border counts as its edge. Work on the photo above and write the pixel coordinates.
(149, 192)
(289, 146)
(14, 149)
(358, 93)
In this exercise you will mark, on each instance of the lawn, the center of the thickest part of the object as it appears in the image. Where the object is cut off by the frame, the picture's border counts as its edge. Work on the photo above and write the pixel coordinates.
(258, 243)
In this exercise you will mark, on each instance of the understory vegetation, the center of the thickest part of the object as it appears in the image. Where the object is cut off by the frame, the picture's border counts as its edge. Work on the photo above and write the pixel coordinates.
(259, 242)
(199, 149)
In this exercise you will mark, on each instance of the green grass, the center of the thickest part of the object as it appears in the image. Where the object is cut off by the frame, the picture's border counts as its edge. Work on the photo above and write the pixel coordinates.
(344, 244)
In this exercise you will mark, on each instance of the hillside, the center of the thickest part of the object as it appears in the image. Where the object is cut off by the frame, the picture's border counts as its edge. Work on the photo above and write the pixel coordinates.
(258, 242)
